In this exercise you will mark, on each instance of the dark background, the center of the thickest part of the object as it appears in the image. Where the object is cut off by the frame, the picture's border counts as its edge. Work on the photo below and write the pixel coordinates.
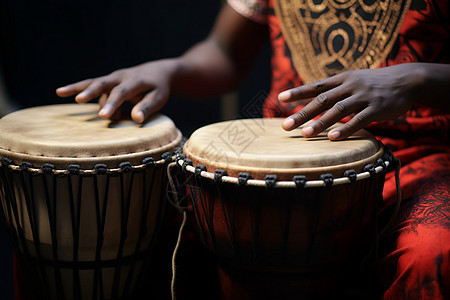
(46, 44)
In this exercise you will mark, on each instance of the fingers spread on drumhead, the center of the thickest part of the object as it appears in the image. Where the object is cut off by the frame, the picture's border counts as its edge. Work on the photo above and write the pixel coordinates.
(309, 90)
(359, 121)
(102, 100)
(125, 91)
(74, 88)
(335, 114)
(98, 87)
(317, 106)
(150, 103)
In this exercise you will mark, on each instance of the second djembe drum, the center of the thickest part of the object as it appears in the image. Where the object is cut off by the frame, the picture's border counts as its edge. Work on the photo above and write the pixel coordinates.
(287, 216)
(83, 198)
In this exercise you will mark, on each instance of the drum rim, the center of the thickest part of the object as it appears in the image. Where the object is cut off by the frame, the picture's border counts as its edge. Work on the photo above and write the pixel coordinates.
(75, 169)
(67, 154)
(284, 173)
(271, 179)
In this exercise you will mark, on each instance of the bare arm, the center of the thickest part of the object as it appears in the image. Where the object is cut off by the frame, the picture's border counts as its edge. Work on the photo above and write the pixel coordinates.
(372, 95)
(209, 68)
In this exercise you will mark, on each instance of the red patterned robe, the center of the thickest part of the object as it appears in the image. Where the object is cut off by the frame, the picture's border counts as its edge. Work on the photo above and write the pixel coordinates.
(415, 261)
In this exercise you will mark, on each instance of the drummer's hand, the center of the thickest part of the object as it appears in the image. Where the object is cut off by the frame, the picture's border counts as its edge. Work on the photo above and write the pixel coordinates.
(370, 94)
(147, 86)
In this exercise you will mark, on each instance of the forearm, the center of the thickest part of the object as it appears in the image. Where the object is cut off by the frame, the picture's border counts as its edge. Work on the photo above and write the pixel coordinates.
(221, 61)
(433, 88)
(205, 71)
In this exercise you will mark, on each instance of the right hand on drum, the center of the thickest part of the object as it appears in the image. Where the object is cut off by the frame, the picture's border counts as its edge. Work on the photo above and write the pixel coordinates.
(147, 86)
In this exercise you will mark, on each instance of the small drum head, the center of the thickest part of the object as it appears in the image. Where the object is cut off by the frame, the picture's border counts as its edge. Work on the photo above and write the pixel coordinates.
(261, 146)
(73, 133)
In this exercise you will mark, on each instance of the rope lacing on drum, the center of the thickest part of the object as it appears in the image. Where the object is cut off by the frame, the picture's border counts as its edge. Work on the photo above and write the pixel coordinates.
(75, 169)
(25, 166)
(271, 180)
(371, 169)
(7, 161)
(299, 181)
(101, 169)
(186, 162)
(148, 162)
(167, 157)
(325, 180)
(126, 166)
(47, 168)
(243, 178)
(351, 175)
(199, 169)
(219, 174)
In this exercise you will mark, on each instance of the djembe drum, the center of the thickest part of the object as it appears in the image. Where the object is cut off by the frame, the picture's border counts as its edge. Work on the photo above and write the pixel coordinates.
(286, 216)
(83, 198)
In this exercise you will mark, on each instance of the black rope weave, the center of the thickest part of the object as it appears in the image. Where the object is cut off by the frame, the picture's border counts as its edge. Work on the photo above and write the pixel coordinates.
(271, 180)
(327, 179)
(218, 174)
(351, 174)
(47, 168)
(243, 178)
(74, 169)
(300, 181)
(199, 169)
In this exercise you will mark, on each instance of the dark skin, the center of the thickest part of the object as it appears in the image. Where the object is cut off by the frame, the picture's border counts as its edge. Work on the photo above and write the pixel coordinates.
(209, 68)
(221, 61)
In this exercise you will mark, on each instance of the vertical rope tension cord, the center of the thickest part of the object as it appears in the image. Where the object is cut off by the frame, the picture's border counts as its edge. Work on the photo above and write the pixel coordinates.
(173, 187)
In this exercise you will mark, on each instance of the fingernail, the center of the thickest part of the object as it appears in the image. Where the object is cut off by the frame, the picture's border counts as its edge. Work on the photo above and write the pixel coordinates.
(139, 117)
(288, 123)
(307, 131)
(335, 134)
(103, 112)
(283, 96)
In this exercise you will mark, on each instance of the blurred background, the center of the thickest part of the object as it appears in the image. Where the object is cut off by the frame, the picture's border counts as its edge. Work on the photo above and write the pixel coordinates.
(47, 44)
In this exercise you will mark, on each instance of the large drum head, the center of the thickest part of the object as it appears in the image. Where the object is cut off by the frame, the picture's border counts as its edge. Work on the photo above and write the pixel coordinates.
(261, 146)
(73, 133)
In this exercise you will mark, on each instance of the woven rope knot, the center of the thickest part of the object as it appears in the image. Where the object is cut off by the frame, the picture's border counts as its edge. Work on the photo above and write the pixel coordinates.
(243, 178)
(299, 180)
(327, 179)
(167, 157)
(351, 174)
(180, 156)
(74, 169)
(271, 180)
(371, 169)
(148, 162)
(47, 168)
(381, 162)
(218, 174)
(7, 161)
(199, 169)
(25, 166)
(126, 166)
(186, 162)
(101, 169)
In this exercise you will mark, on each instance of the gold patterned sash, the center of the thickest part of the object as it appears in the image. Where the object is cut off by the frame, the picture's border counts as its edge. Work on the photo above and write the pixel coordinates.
(327, 37)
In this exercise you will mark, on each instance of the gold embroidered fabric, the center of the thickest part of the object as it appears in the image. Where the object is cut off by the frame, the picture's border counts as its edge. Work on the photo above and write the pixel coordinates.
(331, 36)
